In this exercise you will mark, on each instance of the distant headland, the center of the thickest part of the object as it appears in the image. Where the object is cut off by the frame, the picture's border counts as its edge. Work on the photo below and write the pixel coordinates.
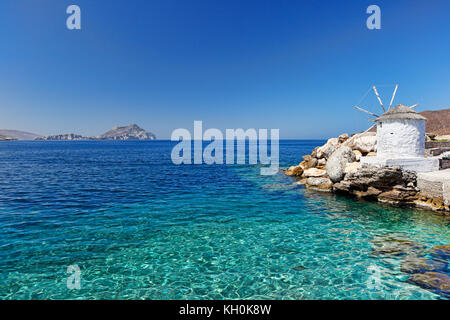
(131, 132)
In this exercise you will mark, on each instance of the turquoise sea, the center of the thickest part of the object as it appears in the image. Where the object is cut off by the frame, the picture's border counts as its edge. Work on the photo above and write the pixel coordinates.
(140, 227)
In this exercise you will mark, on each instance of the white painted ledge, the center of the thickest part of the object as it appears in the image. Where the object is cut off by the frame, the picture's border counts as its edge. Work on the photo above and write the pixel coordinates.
(419, 164)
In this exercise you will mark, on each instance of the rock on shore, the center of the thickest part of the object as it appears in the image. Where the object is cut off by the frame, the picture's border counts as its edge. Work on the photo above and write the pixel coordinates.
(329, 163)
(335, 167)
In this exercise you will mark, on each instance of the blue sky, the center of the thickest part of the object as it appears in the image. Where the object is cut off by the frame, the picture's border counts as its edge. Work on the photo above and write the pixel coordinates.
(298, 66)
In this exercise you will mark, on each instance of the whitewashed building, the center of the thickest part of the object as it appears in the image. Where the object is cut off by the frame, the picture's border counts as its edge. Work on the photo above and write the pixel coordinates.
(401, 141)
(401, 133)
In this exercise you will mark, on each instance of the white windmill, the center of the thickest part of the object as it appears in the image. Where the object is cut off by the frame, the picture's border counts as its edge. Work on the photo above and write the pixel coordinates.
(400, 138)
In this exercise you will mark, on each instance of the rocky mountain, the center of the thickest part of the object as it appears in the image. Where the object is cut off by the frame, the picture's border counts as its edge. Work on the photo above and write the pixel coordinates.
(438, 122)
(131, 132)
(18, 135)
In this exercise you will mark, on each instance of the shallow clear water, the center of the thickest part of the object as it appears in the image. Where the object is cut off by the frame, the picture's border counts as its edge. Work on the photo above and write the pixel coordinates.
(140, 227)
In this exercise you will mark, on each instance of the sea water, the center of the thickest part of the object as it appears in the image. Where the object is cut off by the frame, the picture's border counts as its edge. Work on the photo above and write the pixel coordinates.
(140, 227)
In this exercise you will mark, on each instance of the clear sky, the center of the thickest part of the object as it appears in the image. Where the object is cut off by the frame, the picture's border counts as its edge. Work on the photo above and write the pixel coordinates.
(299, 66)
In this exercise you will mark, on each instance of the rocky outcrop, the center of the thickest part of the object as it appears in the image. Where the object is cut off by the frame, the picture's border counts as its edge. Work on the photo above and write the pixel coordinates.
(337, 164)
(338, 161)
(328, 162)
(388, 184)
(131, 132)
(381, 178)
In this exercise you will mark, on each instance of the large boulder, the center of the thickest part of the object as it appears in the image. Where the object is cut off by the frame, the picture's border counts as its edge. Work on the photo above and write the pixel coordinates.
(380, 178)
(358, 154)
(365, 142)
(337, 162)
(308, 162)
(328, 148)
(343, 137)
(294, 171)
(320, 183)
(314, 172)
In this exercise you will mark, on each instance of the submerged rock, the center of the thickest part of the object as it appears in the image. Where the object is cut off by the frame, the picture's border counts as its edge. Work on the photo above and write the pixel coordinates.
(414, 264)
(299, 268)
(441, 252)
(337, 162)
(434, 281)
(396, 245)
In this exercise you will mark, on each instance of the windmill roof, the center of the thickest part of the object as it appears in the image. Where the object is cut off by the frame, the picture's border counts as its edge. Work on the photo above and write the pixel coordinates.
(401, 112)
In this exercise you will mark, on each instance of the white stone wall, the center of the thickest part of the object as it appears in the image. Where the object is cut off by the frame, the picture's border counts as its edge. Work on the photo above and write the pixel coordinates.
(401, 138)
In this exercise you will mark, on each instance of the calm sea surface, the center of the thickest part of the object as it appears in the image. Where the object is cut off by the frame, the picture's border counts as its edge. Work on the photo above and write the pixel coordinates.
(140, 227)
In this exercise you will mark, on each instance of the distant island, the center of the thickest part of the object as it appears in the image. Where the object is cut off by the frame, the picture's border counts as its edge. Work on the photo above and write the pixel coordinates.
(4, 138)
(17, 135)
(131, 132)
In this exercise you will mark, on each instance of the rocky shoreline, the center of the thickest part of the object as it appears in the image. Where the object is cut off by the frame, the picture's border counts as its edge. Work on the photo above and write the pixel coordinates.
(335, 167)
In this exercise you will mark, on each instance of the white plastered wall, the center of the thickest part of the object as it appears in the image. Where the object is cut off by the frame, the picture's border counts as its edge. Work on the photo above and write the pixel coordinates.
(401, 138)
